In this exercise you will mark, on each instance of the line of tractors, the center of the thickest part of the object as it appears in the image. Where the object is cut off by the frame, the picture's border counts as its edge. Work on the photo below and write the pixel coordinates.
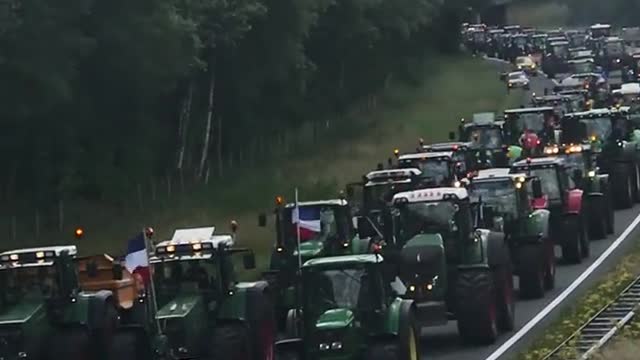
(435, 235)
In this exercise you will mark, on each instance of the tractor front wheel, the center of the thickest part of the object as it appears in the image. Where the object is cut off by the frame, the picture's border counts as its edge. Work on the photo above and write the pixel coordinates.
(404, 347)
(476, 307)
(623, 185)
(596, 213)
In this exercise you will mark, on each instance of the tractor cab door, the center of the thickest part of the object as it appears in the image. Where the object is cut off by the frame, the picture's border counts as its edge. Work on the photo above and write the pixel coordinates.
(355, 197)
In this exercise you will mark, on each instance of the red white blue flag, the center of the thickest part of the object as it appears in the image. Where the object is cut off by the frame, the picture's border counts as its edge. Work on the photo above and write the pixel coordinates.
(137, 259)
(308, 217)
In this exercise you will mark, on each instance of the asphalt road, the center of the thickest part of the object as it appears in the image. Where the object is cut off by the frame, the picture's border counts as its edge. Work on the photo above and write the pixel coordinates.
(443, 343)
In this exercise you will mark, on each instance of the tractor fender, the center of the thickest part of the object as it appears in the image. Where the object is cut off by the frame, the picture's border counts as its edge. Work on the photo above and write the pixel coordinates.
(360, 245)
(573, 202)
(537, 224)
(96, 306)
(496, 249)
(397, 313)
(236, 305)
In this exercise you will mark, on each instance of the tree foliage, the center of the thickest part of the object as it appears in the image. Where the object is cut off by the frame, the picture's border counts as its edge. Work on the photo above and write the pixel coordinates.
(100, 95)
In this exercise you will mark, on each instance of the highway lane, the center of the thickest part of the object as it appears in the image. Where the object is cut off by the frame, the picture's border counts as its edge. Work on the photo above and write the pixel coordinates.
(443, 343)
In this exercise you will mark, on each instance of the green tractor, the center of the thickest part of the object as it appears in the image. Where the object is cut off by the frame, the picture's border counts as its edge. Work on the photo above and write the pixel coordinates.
(351, 310)
(199, 309)
(581, 160)
(438, 169)
(325, 228)
(452, 267)
(565, 201)
(514, 200)
(615, 137)
(43, 312)
(488, 137)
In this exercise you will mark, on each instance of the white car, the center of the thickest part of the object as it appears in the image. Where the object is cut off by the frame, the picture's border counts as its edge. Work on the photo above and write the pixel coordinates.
(518, 79)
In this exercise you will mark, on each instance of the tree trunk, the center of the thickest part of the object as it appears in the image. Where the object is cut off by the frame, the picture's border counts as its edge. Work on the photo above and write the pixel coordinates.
(210, 114)
(219, 147)
(183, 127)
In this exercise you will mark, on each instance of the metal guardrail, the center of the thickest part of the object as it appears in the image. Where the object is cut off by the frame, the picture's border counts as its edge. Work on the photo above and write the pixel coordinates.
(596, 332)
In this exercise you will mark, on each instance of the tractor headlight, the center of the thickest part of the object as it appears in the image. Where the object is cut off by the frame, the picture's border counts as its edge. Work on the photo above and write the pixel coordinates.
(336, 345)
(591, 173)
(324, 347)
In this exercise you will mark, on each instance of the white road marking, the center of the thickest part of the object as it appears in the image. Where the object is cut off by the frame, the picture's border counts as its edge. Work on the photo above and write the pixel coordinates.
(560, 298)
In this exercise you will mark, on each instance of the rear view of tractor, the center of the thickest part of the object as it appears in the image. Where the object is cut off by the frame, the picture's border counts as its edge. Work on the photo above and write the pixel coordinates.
(487, 137)
(446, 263)
(43, 312)
(516, 201)
(200, 310)
(325, 228)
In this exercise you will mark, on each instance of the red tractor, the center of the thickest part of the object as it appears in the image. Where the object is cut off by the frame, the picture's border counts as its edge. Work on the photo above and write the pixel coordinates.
(569, 223)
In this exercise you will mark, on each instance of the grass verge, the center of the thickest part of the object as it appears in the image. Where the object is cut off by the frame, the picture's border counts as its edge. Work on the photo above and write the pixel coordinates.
(450, 89)
(585, 308)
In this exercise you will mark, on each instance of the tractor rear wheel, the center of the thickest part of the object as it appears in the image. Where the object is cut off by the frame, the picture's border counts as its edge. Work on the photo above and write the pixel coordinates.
(69, 344)
(596, 213)
(623, 186)
(550, 264)
(476, 306)
(231, 340)
(406, 346)
(572, 244)
(532, 261)
(585, 245)
(505, 300)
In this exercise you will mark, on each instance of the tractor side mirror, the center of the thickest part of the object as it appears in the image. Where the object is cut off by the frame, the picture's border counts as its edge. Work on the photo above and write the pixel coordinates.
(365, 228)
(536, 186)
(249, 261)
(117, 271)
(452, 135)
(262, 220)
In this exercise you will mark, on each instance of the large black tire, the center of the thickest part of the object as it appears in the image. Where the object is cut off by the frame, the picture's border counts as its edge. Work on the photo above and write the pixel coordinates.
(262, 325)
(385, 351)
(611, 219)
(69, 344)
(505, 299)
(635, 178)
(623, 186)
(572, 240)
(597, 218)
(476, 306)
(129, 345)
(532, 261)
(550, 264)
(232, 340)
(585, 244)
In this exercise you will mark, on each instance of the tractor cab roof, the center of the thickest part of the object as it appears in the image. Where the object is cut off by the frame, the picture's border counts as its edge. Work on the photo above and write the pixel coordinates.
(343, 261)
(446, 155)
(483, 118)
(392, 176)
(499, 174)
(539, 162)
(600, 26)
(553, 98)
(431, 195)
(529, 110)
(582, 60)
(191, 244)
(331, 202)
(613, 39)
(628, 89)
(447, 146)
(35, 257)
(598, 112)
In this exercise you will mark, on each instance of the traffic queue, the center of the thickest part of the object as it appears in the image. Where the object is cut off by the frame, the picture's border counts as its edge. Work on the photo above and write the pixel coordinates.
(431, 235)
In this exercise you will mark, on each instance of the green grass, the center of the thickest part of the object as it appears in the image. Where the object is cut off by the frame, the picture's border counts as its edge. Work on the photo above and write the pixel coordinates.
(451, 88)
(585, 308)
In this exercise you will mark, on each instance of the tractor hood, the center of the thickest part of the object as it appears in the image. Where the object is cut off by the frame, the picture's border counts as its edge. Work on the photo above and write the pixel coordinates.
(179, 307)
(20, 313)
(335, 319)
(310, 249)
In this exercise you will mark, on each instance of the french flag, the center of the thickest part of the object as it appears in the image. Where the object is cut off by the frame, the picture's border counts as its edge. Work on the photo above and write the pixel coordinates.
(309, 219)
(137, 259)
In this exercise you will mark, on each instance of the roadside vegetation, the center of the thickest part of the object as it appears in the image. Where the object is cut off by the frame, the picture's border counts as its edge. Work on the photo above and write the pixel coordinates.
(584, 308)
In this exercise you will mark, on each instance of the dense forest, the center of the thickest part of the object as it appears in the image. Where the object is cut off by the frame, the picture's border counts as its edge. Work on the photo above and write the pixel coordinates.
(618, 12)
(98, 95)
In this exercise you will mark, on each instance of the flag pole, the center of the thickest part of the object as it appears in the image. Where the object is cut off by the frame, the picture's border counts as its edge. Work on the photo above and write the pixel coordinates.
(152, 286)
(298, 231)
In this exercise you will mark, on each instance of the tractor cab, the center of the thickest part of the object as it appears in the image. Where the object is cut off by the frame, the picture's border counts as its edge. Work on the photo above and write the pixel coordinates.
(599, 31)
(531, 127)
(41, 302)
(581, 157)
(576, 38)
(488, 138)
(437, 168)
(554, 176)
(627, 95)
(563, 104)
(512, 29)
(464, 154)
(613, 54)
(380, 186)
(599, 126)
(510, 196)
(324, 228)
(539, 42)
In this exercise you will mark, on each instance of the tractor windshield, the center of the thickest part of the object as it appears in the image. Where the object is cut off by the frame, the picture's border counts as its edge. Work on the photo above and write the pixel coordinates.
(28, 282)
(484, 137)
(550, 183)
(316, 222)
(377, 196)
(190, 276)
(337, 289)
(578, 130)
(614, 48)
(426, 217)
(576, 161)
(436, 169)
(560, 51)
(500, 195)
(581, 67)
(533, 121)
(600, 127)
